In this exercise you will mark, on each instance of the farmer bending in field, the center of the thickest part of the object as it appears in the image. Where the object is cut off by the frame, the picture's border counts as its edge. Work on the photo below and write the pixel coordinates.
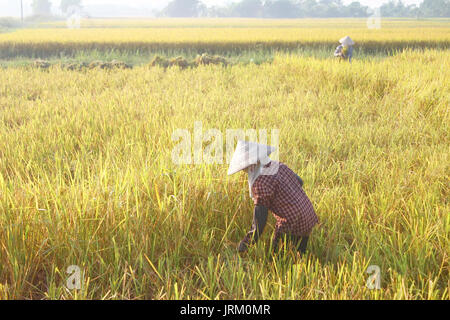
(345, 49)
(273, 186)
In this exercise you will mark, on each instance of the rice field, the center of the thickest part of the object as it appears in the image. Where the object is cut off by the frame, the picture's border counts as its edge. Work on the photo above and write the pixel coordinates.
(87, 177)
(222, 36)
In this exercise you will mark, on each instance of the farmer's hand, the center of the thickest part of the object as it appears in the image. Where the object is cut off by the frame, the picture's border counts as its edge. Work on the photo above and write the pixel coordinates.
(243, 246)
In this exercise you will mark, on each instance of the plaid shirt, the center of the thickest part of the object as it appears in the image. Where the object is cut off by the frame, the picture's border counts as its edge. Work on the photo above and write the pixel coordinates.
(280, 191)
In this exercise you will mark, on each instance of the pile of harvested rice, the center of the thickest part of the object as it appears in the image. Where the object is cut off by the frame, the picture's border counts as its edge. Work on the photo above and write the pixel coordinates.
(75, 66)
(119, 64)
(206, 59)
(98, 64)
(181, 62)
(114, 64)
(159, 62)
(41, 64)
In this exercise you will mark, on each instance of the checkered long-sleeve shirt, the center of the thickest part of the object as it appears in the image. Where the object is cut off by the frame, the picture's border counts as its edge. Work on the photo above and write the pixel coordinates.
(280, 190)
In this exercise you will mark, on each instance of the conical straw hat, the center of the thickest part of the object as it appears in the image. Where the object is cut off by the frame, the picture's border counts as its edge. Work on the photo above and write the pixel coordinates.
(347, 41)
(248, 153)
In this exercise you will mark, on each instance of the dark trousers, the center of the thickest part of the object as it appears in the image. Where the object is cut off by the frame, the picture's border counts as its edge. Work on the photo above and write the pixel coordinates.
(299, 243)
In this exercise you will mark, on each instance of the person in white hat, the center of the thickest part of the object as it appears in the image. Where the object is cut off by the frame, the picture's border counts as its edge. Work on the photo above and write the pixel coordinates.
(345, 49)
(275, 187)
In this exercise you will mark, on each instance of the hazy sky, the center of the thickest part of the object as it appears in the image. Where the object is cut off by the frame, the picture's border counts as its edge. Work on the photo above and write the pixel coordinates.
(12, 7)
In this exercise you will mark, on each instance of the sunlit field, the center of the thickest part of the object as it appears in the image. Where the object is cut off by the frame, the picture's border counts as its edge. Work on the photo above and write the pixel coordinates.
(87, 177)
(225, 36)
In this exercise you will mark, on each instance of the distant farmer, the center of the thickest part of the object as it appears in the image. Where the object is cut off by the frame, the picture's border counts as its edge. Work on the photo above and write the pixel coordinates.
(345, 49)
(273, 186)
